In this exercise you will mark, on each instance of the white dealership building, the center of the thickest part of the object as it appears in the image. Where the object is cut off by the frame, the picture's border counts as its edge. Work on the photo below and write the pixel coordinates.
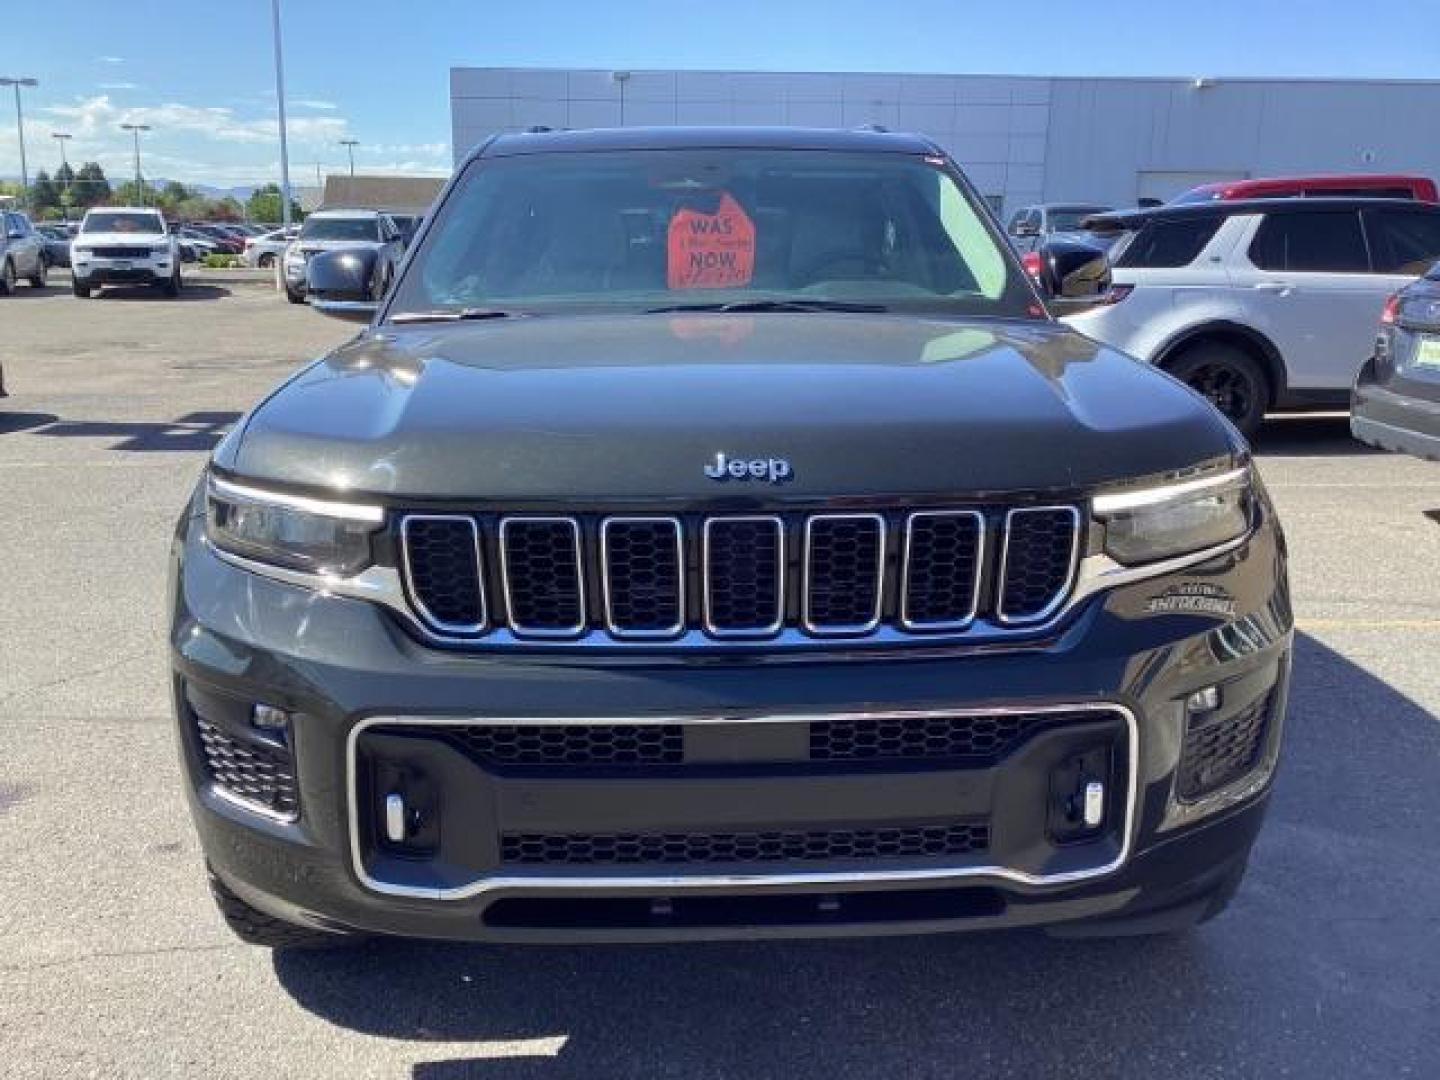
(1020, 139)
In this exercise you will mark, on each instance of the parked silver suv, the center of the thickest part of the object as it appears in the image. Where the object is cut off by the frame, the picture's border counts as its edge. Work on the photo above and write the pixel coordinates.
(22, 252)
(1259, 305)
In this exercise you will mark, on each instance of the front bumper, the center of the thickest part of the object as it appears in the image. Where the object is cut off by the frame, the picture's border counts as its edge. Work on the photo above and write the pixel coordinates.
(372, 711)
(117, 272)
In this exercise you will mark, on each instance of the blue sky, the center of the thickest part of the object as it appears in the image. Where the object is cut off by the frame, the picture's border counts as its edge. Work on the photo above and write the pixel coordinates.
(200, 73)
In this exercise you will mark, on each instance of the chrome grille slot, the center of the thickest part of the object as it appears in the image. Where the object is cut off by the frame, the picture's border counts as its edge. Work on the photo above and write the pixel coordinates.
(794, 578)
(940, 578)
(844, 573)
(744, 576)
(1037, 563)
(642, 561)
(542, 568)
(443, 571)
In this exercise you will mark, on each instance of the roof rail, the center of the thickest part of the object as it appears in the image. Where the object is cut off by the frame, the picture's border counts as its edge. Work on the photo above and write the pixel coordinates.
(538, 129)
(879, 128)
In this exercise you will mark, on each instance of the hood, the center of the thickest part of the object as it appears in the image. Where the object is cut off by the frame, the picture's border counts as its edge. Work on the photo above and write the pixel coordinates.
(121, 239)
(310, 247)
(567, 409)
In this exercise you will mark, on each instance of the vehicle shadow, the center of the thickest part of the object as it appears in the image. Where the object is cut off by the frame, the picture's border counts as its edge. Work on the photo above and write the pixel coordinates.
(1327, 964)
(191, 292)
(195, 431)
(1308, 435)
(25, 291)
(12, 422)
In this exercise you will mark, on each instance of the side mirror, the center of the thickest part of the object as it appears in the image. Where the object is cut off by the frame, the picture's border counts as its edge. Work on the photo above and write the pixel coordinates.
(1072, 274)
(15, 234)
(342, 284)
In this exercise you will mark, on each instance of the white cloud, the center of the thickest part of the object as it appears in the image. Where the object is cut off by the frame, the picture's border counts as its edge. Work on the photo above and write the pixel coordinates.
(90, 116)
(312, 103)
(112, 59)
(118, 86)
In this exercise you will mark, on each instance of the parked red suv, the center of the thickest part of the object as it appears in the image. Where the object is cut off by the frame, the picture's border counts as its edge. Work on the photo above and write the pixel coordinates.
(1377, 185)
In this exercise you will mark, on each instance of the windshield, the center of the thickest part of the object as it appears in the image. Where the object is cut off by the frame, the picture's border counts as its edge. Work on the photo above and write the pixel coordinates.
(638, 230)
(1068, 219)
(107, 221)
(340, 228)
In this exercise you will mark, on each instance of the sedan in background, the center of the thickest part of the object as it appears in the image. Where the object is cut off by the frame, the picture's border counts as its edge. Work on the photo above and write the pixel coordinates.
(264, 250)
(56, 242)
(1031, 226)
(1395, 404)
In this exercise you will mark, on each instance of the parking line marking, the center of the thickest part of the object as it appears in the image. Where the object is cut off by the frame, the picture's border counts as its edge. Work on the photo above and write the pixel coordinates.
(1367, 624)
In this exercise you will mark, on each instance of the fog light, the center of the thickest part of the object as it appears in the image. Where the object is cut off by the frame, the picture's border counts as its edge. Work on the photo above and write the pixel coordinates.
(1207, 700)
(269, 718)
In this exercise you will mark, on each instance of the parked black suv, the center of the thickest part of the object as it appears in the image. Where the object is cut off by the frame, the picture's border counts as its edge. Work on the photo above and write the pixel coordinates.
(713, 536)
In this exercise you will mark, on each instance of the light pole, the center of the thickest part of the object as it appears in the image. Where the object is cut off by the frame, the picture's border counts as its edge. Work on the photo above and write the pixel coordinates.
(135, 130)
(17, 83)
(280, 106)
(62, 137)
(350, 145)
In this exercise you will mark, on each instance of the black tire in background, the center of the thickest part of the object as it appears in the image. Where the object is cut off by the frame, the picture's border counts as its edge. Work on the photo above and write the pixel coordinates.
(7, 278)
(293, 296)
(37, 279)
(1229, 378)
(82, 291)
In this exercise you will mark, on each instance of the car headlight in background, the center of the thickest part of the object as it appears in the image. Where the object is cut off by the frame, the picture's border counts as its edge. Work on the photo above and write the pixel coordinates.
(290, 531)
(1162, 522)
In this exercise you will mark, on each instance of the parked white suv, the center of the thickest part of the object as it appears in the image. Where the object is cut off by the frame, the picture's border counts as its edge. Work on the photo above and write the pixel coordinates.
(119, 245)
(1260, 305)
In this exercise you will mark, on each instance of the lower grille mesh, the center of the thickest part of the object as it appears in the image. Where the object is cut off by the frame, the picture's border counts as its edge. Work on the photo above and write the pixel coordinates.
(898, 842)
(261, 775)
(1222, 751)
(979, 739)
(573, 744)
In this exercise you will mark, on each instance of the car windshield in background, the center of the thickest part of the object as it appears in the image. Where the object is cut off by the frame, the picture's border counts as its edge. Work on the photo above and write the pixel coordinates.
(1069, 219)
(125, 223)
(337, 228)
(673, 229)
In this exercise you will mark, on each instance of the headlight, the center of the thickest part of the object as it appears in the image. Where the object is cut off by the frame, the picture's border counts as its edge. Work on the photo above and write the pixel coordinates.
(291, 531)
(1175, 519)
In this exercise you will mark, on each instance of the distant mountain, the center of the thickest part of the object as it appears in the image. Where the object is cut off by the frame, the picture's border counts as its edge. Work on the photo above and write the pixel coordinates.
(240, 193)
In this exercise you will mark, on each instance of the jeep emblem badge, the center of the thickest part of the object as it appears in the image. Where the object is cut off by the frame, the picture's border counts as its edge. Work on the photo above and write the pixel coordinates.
(775, 470)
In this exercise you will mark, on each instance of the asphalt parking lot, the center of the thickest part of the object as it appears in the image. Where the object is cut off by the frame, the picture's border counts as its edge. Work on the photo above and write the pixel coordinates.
(113, 961)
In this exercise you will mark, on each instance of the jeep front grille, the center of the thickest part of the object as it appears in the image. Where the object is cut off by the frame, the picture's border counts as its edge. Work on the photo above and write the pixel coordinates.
(657, 578)
(922, 841)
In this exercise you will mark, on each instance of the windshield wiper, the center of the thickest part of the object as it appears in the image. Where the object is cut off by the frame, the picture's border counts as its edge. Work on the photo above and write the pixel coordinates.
(453, 315)
(773, 305)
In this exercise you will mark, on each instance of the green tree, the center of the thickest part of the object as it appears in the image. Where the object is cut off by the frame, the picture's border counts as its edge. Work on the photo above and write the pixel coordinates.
(174, 193)
(264, 205)
(131, 193)
(90, 188)
(44, 195)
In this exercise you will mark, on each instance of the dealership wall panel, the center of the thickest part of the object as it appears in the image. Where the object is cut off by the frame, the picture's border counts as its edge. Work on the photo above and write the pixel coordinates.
(1021, 139)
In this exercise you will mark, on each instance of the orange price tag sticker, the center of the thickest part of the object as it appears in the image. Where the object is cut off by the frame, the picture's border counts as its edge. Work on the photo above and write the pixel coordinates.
(711, 251)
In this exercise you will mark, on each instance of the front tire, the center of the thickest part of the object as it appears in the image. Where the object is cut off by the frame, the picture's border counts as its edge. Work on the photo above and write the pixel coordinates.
(7, 279)
(254, 927)
(293, 296)
(1229, 378)
(173, 286)
(82, 291)
(37, 279)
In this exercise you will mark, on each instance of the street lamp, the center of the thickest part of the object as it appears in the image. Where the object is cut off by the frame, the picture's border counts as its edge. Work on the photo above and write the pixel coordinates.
(17, 83)
(63, 137)
(135, 130)
(280, 107)
(350, 145)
